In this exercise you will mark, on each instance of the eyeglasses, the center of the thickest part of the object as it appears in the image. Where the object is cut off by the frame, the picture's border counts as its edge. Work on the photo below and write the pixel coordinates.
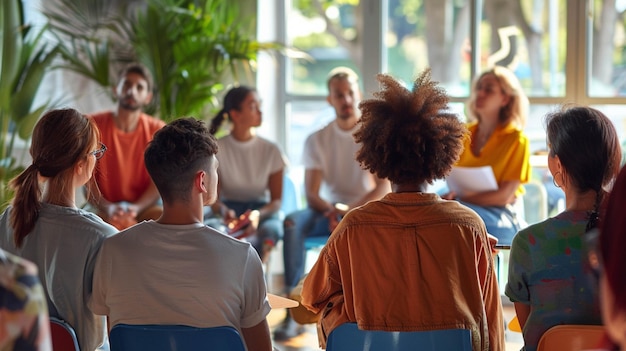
(100, 152)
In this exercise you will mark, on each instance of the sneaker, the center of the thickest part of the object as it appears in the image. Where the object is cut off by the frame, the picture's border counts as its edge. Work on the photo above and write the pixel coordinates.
(288, 329)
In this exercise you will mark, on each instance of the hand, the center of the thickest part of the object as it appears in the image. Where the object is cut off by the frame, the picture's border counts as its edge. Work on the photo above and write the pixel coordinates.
(121, 215)
(333, 218)
(228, 215)
(252, 227)
(492, 243)
(245, 225)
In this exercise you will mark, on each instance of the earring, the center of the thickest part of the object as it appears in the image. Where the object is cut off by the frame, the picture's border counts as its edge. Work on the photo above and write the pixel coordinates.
(554, 180)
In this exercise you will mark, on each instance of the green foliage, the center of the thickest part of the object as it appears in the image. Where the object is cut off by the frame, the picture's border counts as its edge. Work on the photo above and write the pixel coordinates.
(188, 46)
(24, 59)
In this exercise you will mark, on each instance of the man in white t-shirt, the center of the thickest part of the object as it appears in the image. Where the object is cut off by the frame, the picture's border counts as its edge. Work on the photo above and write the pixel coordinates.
(176, 270)
(329, 161)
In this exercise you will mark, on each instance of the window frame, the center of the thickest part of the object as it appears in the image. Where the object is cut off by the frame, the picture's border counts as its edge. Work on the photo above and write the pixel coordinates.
(375, 15)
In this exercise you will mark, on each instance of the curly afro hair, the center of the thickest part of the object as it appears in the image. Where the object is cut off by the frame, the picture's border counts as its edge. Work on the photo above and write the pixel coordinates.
(407, 136)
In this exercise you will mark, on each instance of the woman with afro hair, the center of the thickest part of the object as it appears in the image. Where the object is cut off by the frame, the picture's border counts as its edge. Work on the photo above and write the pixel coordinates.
(411, 261)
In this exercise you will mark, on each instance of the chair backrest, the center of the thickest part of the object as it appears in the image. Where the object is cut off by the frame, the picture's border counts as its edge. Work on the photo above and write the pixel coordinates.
(289, 201)
(535, 202)
(348, 337)
(571, 337)
(63, 335)
(125, 337)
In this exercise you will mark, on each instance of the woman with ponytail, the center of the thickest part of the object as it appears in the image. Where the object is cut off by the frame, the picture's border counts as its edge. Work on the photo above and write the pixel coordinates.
(550, 280)
(250, 172)
(44, 226)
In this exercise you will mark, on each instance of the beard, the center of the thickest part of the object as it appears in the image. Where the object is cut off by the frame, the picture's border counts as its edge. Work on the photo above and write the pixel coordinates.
(129, 105)
(346, 112)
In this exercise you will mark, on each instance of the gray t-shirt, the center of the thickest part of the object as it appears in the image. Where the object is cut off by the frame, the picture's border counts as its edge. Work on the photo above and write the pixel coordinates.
(64, 244)
(191, 275)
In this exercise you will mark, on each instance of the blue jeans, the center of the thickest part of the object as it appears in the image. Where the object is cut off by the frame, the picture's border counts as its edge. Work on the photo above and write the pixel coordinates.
(501, 222)
(270, 228)
(300, 225)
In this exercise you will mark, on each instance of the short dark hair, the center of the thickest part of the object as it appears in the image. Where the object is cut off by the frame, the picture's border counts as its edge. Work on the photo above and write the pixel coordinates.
(139, 69)
(177, 151)
(409, 136)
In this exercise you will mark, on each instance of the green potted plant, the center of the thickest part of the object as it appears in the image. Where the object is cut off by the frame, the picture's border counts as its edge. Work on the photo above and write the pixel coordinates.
(24, 60)
(188, 45)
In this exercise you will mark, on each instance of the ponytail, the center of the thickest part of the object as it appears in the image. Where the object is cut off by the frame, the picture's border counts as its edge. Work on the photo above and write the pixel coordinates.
(594, 215)
(26, 204)
(217, 121)
(232, 101)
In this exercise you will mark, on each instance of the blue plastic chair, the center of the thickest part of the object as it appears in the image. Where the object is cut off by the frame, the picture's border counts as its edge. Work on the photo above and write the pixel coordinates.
(289, 201)
(125, 337)
(348, 337)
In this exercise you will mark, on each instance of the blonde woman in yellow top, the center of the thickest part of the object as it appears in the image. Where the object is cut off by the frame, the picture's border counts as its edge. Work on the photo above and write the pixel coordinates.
(497, 109)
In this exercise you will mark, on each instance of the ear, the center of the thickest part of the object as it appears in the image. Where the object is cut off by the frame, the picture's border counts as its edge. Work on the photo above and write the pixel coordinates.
(506, 100)
(80, 168)
(234, 115)
(199, 180)
(114, 91)
(328, 99)
(557, 163)
(148, 98)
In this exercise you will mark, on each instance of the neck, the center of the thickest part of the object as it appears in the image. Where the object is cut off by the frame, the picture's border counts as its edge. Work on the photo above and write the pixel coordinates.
(242, 134)
(127, 120)
(56, 198)
(575, 201)
(347, 124)
(181, 213)
(409, 188)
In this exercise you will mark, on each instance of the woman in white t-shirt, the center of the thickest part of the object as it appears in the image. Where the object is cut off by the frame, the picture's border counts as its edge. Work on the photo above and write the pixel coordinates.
(250, 174)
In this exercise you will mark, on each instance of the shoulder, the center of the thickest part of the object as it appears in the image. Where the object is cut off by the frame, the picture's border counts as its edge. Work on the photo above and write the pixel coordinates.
(152, 123)
(77, 219)
(102, 117)
(325, 130)
(530, 235)
(268, 144)
(514, 132)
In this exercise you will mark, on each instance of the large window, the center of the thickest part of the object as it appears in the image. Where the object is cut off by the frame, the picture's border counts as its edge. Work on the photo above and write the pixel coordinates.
(563, 51)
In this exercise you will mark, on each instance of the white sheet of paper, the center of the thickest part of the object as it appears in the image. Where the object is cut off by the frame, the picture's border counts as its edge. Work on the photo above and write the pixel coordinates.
(465, 180)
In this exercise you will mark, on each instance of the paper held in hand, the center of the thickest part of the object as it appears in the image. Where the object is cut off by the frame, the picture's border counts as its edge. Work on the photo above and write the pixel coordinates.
(468, 180)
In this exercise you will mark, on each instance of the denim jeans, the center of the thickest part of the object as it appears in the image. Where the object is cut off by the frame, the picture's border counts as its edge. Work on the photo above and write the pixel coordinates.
(300, 225)
(501, 222)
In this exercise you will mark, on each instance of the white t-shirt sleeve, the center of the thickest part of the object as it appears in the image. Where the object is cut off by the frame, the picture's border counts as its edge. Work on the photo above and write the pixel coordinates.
(257, 307)
(311, 157)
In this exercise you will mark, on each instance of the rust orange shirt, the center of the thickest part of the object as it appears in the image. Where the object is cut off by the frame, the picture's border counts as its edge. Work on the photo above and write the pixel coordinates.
(121, 173)
(409, 262)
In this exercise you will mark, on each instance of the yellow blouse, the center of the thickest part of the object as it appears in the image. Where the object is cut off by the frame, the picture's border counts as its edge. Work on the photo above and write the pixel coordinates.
(507, 151)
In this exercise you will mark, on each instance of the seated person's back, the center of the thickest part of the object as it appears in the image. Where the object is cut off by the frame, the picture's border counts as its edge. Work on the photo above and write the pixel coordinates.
(410, 261)
(176, 270)
(45, 227)
(550, 281)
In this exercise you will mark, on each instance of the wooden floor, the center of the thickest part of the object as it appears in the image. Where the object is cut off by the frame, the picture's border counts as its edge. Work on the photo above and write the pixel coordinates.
(308, 341)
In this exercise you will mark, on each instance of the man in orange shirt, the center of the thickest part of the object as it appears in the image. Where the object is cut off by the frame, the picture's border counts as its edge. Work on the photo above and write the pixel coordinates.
(128, 195)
